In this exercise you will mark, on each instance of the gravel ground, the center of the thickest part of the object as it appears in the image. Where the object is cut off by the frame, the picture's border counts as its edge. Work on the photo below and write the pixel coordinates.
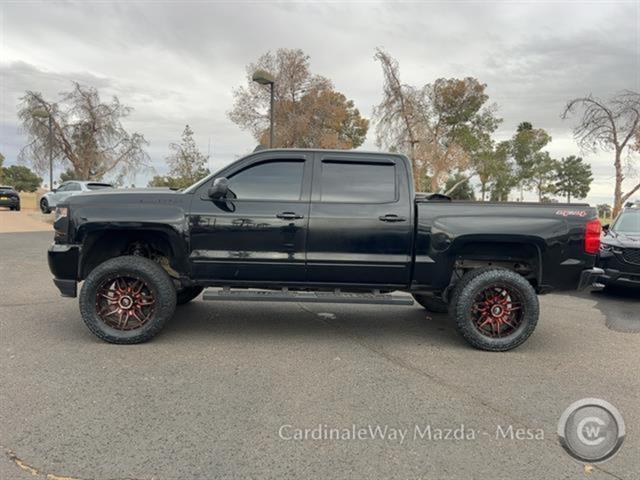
(24, 221)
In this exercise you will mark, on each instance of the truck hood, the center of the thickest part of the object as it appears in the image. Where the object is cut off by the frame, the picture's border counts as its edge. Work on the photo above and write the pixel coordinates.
(128, 196)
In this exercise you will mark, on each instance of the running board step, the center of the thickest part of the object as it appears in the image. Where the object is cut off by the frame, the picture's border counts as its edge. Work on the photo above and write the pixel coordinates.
(225, 294)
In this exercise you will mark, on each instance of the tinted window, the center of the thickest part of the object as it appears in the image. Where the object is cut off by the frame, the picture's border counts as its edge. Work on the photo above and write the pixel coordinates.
(279, 180)
(98, 186)
(73, 187)
(64, 187)
(357, 182)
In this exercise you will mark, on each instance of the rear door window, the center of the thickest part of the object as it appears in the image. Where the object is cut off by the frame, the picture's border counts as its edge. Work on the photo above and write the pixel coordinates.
(357, 182)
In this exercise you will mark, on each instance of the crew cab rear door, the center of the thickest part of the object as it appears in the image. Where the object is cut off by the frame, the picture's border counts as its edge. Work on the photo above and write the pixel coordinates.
(258, 232)
(360, 226)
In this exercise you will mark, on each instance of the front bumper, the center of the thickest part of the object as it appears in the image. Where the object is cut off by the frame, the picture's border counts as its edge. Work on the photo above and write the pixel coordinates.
(611, 276)
(589, 277)
(617, 270)
(63, 263)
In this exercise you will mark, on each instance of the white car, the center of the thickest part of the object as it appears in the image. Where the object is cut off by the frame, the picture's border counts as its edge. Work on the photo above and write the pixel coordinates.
(66, 189)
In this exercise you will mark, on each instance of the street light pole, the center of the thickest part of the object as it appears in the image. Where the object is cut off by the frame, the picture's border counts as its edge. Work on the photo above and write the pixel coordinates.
(50, 153)
(265, 78)
(271, 118)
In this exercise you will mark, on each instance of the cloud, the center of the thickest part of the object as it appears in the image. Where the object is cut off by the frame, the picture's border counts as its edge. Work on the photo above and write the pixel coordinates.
(177, 63)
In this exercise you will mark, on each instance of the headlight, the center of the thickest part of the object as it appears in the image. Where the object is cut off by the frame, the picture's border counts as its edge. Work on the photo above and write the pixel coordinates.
(61, 212)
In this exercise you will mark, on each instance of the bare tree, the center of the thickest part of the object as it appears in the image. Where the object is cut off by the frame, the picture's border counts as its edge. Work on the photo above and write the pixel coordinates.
(86, 134)
(609, 126)
(401, 124)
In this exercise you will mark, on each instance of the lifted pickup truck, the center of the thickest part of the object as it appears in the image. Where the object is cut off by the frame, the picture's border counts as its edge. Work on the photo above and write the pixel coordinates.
(318, 226)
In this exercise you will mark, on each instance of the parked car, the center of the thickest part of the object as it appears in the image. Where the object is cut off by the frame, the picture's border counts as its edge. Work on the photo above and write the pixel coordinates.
(9, 198)
(51, 199)
(318, 226)
(620, 249)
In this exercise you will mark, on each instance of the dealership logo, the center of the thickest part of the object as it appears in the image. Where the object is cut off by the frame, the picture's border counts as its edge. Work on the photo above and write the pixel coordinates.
(591, 430)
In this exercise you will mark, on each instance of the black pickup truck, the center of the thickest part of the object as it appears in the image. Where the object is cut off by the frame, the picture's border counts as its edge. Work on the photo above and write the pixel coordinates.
(318, 226)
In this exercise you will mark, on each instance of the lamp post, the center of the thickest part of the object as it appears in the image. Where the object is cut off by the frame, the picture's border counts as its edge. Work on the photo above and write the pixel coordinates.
(265, 78)
(42, 113)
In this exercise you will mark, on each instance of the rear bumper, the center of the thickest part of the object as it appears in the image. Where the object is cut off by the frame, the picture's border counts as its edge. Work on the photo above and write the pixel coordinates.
(9, 202)
(588, 277)
(63, 263)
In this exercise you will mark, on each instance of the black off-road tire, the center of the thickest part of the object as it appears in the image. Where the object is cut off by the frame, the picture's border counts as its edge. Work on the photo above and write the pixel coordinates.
(432, 303)
(44, 206)
(155, 279)
(185, 295)
(461, 284)
(465, 297)
(17, 209)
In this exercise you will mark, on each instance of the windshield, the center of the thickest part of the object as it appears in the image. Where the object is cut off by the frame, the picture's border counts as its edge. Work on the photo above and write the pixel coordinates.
(628, 222)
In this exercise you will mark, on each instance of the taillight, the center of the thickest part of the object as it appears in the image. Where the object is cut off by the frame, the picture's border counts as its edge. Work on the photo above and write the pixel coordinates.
(592, 236)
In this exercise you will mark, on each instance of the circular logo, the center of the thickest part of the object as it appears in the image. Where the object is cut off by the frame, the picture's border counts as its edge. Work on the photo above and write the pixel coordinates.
(591, 430)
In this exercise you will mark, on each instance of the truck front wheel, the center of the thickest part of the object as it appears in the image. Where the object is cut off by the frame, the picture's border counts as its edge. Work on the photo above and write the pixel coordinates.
(495, 309)
(127, 299)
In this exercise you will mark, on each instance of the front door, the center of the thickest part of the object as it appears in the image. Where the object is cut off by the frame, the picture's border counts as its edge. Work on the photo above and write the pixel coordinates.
(360, 227)
(258, 232)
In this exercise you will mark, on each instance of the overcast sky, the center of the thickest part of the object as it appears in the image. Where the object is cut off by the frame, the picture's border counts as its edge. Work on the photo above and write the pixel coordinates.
(177, 62)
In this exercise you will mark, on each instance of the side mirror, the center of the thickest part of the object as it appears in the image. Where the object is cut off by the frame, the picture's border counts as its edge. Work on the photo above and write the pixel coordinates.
(219, 188)
(605, 228)
(54, 190)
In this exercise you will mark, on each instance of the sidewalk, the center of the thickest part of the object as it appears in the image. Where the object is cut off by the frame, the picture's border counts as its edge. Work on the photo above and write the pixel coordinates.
(24, 221)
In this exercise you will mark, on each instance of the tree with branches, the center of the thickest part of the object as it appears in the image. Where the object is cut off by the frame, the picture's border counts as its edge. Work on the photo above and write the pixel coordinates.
(573, 178)
(187, 164)
(531, 163)
(441, 126)
(308, 111)
(87, 134)
(611, 125)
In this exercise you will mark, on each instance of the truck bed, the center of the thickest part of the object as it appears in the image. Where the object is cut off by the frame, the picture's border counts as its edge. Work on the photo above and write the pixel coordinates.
(544, 241)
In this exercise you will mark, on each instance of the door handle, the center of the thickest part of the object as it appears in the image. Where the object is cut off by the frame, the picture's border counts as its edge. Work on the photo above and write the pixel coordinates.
(390, 217)
(289, 216)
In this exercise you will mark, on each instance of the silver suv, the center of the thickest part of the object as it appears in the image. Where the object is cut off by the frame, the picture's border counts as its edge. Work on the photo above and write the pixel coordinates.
(66, 189)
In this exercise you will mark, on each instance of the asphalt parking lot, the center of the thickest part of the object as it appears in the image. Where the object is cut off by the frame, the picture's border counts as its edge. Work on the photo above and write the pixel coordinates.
(222, 390)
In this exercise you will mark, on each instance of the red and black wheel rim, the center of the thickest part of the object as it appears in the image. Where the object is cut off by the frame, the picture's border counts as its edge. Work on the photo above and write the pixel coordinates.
(498, 311)
(125, 303)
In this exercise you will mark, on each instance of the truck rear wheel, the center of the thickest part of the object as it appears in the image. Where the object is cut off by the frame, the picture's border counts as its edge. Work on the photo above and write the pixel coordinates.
(495, 309)
(432, 303)
(127, 299)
